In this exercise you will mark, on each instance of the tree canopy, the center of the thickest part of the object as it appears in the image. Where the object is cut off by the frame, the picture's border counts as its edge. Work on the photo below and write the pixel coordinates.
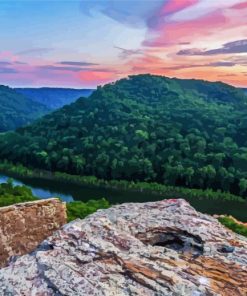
(145, 128)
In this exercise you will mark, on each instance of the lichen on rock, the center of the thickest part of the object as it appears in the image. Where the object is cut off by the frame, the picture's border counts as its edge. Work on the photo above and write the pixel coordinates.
(152, 249)
(24, 226)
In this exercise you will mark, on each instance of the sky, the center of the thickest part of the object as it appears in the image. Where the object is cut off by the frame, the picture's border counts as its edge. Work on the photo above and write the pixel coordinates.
(83, 44)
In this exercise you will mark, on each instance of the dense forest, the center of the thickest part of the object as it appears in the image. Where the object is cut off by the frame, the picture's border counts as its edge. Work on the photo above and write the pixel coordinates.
(54, 97)
(188, 133)
(16, 110)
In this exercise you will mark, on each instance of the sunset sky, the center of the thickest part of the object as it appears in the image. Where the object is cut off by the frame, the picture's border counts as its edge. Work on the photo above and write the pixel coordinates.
(86, 43)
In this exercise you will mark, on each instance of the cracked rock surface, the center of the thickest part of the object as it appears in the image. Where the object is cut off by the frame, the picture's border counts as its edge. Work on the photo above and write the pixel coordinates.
(24, 226)
(156, 248)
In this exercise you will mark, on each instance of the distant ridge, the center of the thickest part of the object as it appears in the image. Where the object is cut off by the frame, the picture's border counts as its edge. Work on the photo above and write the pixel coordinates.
(17, 110)
(54, 97)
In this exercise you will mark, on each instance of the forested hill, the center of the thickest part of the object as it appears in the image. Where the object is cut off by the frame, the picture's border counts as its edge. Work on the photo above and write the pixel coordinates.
(152, 128)
(16, 110)
(54, 98)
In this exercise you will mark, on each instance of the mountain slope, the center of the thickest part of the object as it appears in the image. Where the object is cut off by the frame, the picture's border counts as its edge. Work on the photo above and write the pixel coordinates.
(16, 110)
(151, 128)
(54, 98)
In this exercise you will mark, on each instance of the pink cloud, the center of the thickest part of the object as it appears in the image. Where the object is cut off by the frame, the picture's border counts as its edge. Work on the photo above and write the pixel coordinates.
(222, 26)
(175, 5)
(240, 5)
(172, 30)
(188, 30)
(8, 56)
(96, 77)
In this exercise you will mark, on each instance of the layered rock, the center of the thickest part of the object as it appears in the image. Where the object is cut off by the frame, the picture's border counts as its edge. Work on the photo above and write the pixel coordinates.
(156, 248)
(24, 226)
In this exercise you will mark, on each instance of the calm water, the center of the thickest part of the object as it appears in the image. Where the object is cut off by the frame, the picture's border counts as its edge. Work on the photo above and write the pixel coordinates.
(69, 192)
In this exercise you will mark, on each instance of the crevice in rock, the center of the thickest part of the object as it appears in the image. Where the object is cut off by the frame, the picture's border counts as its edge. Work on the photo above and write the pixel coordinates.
(226, 249)
(42, 268)
(44, 246)
(130, 275)
(180, 241)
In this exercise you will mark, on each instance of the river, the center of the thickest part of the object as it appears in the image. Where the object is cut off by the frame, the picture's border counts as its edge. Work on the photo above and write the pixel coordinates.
(69, 192)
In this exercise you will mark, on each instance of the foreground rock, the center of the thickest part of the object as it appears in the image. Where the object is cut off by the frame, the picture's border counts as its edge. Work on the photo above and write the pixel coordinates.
(160, 248)
(24, 226)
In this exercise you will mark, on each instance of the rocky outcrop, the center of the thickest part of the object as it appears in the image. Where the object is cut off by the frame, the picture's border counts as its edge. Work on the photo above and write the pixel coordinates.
(156, 248)
(24, 226)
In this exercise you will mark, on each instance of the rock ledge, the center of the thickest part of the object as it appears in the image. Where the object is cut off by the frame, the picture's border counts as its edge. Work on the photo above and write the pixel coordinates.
(156, 248)
(24, 226)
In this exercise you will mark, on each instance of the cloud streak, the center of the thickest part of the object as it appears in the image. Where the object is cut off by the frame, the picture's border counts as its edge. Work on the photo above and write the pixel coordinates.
(126, 53)
(213, 64)
(8, 71)
(74, 69)
(239, 46)
(72, 63)
(57, 68)
(35, 51)
(2, 63)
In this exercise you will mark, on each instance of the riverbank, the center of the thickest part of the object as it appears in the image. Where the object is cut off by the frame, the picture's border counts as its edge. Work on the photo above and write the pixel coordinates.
(143, 187)
(11, 194)
(233, 224)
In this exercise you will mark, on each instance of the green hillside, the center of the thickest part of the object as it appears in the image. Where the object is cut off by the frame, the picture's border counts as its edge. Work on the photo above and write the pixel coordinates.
(149, 128)
(16, 110)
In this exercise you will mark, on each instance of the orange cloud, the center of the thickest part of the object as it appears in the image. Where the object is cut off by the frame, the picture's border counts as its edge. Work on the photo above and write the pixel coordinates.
(96, 77)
